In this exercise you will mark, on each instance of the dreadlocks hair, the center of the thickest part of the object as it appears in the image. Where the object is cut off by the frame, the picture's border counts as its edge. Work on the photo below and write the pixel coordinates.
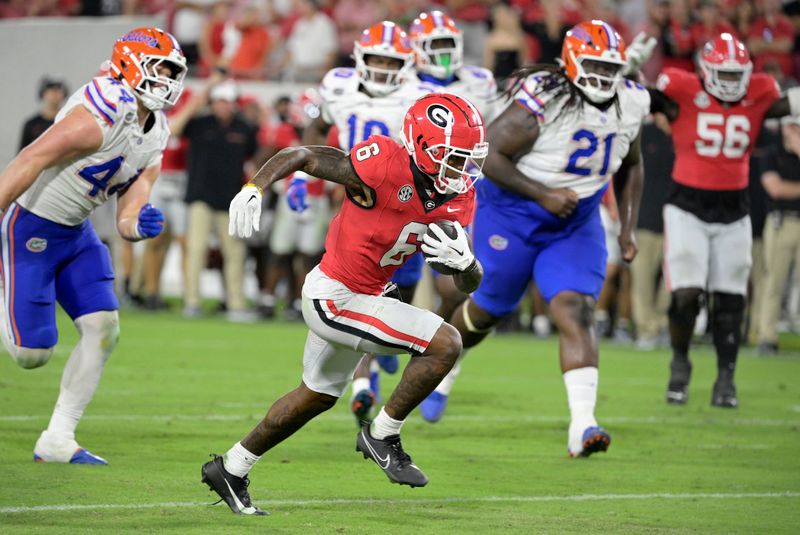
(553, 82)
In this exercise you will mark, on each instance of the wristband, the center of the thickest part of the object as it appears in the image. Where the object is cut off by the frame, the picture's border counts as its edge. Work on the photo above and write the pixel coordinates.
(259, 188)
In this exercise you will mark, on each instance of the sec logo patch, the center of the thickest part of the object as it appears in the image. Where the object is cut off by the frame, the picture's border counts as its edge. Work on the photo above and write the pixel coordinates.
(405, 193)
(36, 245)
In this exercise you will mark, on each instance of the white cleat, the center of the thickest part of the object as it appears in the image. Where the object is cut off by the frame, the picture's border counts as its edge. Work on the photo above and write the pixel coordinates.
(62, 448)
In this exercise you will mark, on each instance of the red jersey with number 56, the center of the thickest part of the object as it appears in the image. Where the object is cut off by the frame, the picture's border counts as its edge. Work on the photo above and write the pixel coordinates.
(712, 139)
(365, 246)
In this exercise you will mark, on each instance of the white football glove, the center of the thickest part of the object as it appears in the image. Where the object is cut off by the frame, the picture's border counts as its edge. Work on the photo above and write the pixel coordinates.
(639, 52)
(245, 212)
(453, 253)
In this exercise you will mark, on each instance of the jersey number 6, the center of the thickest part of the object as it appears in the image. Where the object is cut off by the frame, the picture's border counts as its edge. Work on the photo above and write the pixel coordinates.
(367, 151)
(402, 248)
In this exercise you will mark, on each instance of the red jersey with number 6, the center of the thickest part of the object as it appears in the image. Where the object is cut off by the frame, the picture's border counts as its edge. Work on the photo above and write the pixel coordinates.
(365, 246)
(713, 140)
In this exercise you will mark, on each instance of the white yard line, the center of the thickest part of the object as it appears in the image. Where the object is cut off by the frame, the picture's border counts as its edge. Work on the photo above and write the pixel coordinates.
(419, 501)
(250, 414)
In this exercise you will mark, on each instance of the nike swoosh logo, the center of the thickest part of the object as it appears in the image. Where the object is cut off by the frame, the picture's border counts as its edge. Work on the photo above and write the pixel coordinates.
(239, 504)
(377, 457)
(460, 253)
(450, 209)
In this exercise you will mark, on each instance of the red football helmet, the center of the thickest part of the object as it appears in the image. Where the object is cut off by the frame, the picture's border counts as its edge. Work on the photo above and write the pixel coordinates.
(593, 55)
(136, 58)
(726, 67)
(438, 44)
(446, 138)
(387, 40)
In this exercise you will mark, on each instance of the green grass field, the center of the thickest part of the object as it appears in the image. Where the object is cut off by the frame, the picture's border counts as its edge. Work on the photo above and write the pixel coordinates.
(176, 390)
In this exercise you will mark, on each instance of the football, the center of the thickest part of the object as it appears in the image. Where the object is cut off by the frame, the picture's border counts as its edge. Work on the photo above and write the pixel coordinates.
(450, 229)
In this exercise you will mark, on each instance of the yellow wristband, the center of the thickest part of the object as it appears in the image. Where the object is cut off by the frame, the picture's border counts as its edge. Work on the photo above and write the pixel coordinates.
(259, 188)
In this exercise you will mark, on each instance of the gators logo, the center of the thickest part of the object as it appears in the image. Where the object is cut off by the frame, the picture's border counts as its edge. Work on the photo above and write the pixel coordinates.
(36, 245)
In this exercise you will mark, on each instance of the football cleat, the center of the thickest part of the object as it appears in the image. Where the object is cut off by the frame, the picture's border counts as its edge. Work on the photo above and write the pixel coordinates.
(724, 394)
(678, 387)
(361, 405)
(230, 488)
(388, 363)
(389, 455)
(432, 407)
(595, 439)
(59, 448)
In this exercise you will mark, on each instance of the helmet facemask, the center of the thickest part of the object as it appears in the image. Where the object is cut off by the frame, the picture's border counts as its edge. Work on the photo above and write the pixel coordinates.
(381, 81)
(728, 82)
(156, 90)
(598, 77)
(458, 168)
(440, 56)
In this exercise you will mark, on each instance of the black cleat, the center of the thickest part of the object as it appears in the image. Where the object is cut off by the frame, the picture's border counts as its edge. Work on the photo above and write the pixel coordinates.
(678, 387)
(389, 455)
(724, 394)
(230, 488)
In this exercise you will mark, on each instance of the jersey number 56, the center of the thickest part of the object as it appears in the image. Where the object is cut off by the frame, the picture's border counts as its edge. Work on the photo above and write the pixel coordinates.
(731, 137)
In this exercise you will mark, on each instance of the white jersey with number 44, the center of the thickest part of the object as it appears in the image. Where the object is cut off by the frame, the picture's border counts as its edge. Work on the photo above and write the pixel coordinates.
(580, 147)
(68, 192)
(358, 115)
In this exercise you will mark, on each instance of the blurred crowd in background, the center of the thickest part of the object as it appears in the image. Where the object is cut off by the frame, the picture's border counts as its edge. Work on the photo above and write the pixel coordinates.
(227, 134)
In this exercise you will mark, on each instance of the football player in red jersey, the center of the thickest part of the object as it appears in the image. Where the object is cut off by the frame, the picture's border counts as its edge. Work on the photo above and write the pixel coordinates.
(716, 116)
(395, 192)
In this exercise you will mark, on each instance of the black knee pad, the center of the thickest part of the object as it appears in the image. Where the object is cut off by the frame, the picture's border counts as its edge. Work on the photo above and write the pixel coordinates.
(685, 306)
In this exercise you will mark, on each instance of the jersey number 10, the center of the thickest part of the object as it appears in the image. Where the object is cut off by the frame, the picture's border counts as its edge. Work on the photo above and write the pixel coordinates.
(732, 139)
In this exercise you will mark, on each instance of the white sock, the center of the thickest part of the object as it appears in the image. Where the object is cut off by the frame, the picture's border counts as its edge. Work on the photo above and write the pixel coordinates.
(238, 461)
(359, 384)
(99, 333)
(446, 386)
(267, 300)
(581, 385)
(384, 426)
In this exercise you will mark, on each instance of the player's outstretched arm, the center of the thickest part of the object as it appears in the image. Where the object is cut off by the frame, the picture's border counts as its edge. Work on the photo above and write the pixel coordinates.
(628, 184)
(327, 163)
(74, 136)
(136, 218)
(510, 137)
(783, 107)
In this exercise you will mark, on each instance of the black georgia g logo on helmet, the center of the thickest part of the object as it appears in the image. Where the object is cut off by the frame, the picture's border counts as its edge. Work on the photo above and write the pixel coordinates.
(440, 115)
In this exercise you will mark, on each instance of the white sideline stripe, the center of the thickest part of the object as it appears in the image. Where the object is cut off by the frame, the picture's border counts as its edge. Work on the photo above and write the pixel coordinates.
(636, 420)
(419, 501)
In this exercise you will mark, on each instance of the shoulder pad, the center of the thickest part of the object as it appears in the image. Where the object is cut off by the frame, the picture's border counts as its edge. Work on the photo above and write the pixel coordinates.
(338, 83)
(110, 100)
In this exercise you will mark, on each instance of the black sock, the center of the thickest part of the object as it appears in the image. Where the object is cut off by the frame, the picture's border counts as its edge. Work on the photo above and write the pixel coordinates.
(727, 317)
